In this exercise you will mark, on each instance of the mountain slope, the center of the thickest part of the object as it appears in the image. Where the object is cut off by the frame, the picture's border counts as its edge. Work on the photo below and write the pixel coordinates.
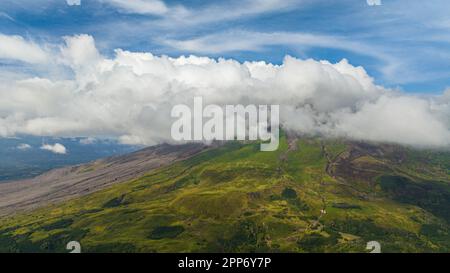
(66, 183)
(311, 195)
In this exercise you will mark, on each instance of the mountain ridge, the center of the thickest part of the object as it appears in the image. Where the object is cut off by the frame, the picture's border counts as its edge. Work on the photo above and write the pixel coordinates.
(65, 183)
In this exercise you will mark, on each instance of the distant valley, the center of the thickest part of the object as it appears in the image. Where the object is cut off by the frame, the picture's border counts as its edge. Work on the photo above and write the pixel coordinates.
(23, 156)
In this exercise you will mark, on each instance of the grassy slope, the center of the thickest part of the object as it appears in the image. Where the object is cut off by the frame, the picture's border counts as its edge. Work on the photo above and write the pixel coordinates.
(235, 198)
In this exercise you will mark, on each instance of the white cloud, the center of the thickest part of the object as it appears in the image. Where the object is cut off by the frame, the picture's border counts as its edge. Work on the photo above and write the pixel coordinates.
(130, 97)
(174, 16)
(17, 48)
(73, 2)
(82, 56)
(7, 16)
(397, 119)
(23, 147)
(226, 11)
(152, 7)
(57, 148)
(374, 2)
(88, 141)
(236, 41)
(253, 41)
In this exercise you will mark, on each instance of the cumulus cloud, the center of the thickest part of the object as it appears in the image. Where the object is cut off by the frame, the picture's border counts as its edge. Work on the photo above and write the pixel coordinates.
(23, 147)
(56, 148)
(73, 2)
(18, 49)
(81, 55)
(130, 96)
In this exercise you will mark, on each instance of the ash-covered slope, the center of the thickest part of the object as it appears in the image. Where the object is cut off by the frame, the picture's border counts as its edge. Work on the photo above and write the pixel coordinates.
(69, 182)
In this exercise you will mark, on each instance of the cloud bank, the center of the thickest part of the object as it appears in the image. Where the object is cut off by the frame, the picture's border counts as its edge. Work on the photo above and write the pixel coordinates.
(130, 96)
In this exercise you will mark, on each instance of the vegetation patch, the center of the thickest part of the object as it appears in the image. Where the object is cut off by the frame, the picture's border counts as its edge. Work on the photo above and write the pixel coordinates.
(316, 242)
(116, 247)
(115, 202)
(438, 234)
(213, 205)
(237, 199)
(289, 193)
(248, 236)
(429, 195)
(163, 232)
(345, 206)
(63, 223)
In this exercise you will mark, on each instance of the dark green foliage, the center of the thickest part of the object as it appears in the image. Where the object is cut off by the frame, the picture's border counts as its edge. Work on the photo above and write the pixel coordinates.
(111, 248)
(366, 229)
(53, 244)
(181, 183)
(438, 234)
(115, 202)
(63, 223)
(58, 242)
(387, 237)
(316, 242)
(345, 206)
(429, 195)
(17, 244)
(248, 236)
(289, 193)
(166, 232)
(299, 204)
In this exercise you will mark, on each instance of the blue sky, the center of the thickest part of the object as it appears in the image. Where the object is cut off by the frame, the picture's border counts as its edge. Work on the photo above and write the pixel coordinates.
(401, 43)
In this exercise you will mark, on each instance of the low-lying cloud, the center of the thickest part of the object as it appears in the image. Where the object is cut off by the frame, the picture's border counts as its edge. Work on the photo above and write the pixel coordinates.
(56, 148)
(130, 97)
(23, 146)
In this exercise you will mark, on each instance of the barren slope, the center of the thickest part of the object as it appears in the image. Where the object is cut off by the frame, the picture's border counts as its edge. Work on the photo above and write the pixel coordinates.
(65, 183)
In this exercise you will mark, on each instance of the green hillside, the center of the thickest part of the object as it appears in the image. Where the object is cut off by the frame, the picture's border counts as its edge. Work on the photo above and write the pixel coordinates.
(312, 195)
